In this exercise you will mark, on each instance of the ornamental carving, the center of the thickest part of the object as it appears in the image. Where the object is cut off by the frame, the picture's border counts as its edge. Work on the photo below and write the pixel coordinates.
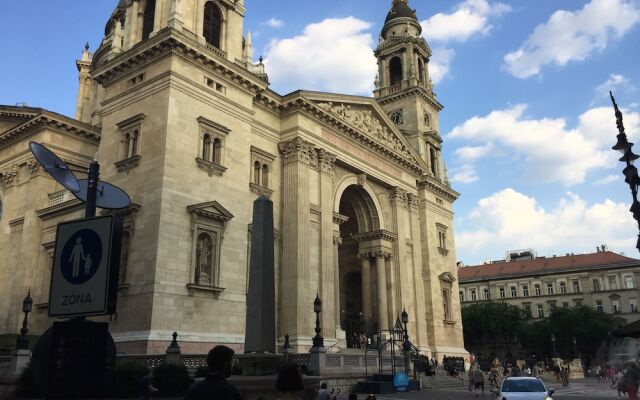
(413, 201)
(326, 161)
(366, 122)
(298, 150)
(9, 175)
(32, 166)
(399, 197)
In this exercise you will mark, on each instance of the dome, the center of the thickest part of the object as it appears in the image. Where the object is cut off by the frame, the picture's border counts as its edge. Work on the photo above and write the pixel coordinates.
(401, 9)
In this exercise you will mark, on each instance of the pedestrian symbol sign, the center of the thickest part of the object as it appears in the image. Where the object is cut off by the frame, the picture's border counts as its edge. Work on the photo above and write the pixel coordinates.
(85, 268)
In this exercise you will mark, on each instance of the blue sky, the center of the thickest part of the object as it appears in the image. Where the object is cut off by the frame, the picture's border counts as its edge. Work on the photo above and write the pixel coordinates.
(527, 123)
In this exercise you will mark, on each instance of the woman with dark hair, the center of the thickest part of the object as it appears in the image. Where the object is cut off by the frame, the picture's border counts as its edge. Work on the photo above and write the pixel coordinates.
(289, 383)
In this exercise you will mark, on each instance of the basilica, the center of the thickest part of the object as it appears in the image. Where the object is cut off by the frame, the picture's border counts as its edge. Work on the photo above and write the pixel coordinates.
(179, 115)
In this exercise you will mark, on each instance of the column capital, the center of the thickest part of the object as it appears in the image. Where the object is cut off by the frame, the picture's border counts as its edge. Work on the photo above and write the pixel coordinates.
(298, 150)
(413, 201)
(399, 197)
(326, 161)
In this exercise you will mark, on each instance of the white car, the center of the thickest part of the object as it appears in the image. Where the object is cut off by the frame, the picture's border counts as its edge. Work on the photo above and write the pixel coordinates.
(523, 388)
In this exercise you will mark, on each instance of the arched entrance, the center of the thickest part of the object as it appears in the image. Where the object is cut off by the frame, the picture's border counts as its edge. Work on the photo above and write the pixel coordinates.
(361, 263)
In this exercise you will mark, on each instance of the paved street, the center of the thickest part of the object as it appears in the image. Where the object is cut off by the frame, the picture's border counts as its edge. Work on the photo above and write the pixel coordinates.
(586, 389)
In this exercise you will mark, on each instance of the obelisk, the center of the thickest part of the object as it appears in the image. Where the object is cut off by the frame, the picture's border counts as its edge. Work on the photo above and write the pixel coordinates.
(260, 334)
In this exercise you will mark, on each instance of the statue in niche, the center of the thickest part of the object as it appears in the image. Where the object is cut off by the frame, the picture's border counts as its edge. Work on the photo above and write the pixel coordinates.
(204, 253)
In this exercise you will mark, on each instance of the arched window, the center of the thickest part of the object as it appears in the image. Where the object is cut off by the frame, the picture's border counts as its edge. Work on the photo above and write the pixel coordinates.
(433, 159)
(256, 172)
(212, 24)
(265, 175)
(148, 19)
(420, 70)
(395, 71)
(217, 151)
(206, 148)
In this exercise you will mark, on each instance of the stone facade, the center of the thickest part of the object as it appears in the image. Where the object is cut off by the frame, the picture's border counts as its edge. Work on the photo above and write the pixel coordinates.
(185, 122)
(605, 281)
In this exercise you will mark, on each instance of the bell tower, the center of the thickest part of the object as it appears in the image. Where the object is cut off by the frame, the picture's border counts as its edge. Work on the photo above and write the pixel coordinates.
(404, 87)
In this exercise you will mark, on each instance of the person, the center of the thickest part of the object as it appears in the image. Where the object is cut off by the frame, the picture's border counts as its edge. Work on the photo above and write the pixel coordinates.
(564, 375)
(215, 385)
(323, 394)
(527, 371)
(631, 379)
(478, 381)
(289, 382)
(621, 384)
(146, 387)
(472, 371)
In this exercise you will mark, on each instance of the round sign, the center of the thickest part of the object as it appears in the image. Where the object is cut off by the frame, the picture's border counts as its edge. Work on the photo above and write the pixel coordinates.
(401, 381)
(81, 256)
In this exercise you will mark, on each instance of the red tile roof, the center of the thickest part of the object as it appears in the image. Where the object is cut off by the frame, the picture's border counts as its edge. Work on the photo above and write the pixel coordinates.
(543, 265)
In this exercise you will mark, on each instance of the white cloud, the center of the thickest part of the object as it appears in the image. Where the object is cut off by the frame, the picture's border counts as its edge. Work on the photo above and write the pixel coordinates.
(465, 174)
(547, 149)
(608, 179)
(440, 63)
(333, 55)
(472, 153)
(467, 19)
(511, 220)
(275, 23)
(572, 36)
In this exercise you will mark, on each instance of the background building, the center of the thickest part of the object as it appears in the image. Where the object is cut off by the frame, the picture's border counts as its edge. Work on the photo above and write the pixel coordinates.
(181, 117)
(604, 280)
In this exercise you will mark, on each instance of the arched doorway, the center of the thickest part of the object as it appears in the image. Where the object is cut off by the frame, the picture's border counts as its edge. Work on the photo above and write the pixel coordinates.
(358, 303)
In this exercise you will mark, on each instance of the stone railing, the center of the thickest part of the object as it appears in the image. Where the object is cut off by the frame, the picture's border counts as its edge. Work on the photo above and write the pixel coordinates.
(150, 361)
(216, 50)
(394, 89)
(60, 197)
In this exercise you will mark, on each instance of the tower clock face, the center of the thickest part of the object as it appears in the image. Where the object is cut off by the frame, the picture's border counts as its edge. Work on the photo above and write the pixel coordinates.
(396, 117)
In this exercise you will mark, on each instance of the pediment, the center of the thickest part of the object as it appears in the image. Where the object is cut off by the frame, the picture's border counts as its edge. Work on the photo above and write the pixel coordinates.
(212, 210)
(447, 277)
(371, 122)
(10, 119)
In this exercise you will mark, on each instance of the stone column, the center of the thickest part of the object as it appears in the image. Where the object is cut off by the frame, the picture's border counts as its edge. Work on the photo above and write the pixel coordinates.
(405, 67)
(366, 287)
(297, 296)
(223, 32)
(328, 289)
(399, 202)
(337, 241)
(383, 320)
(133, 18)
(418, 323)
(392, 306)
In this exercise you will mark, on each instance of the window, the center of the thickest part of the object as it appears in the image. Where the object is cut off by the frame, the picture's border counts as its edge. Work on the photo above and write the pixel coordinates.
(514, 292)
(577, 302)
(420, 71)
(445, 305)
(208, 224)
(395, 71)
(552, 306)
(599, 306)
(485, 294)
(633, 305)
(442, 239)
(576, 286)
(613, 283)
(211, 147)
(502, 293)
(212, 24)
(525, 290)
(130, 135)
(262, 163)
(565, 305)
(537, 290)
(550, 289)
(615, 304)
(563, 287)
(629, 283)
(596, 285)
(433, 161)
(540, 311)
(474, 295)
(149, 17)
(461, 296)
(526, 307)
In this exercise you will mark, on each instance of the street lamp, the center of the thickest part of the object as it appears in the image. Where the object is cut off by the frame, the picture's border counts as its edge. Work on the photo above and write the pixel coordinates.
(318, 341)
(22, 342)
(405, 342)
(630, 172)
(553, 344)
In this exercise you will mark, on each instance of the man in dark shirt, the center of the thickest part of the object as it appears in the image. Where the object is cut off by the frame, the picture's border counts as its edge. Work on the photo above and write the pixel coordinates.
(215, 386)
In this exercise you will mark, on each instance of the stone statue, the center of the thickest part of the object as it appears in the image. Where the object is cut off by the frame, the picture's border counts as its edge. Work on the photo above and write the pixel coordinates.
(204, 251)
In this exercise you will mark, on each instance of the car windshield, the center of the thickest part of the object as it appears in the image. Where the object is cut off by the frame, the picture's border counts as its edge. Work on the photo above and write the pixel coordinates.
(522, 385)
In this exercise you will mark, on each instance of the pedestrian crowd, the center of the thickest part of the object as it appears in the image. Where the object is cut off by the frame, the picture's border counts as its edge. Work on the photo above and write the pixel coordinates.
(624, 380)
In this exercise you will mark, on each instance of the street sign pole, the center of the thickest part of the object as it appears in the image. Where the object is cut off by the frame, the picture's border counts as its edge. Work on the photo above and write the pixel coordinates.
(92, 189)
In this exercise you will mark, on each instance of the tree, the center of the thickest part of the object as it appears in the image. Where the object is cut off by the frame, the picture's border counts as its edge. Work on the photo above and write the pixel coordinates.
(491, 322)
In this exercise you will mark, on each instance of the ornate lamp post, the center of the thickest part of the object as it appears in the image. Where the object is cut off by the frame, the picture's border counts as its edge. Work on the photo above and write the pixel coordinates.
(22, 342)
(630, 172)
(318, 341)
(405, 342)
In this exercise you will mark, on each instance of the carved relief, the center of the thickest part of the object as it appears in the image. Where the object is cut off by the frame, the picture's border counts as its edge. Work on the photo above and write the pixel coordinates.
(362, 179)
(366, 122)
(32, 166)
(8, 176)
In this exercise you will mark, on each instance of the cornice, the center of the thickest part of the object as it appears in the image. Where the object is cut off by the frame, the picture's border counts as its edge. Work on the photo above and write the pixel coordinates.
(168, 41)
(412, 91)
(380, 234)
(434, 185)
(60, 209)
(400, 41)
(50, 120)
